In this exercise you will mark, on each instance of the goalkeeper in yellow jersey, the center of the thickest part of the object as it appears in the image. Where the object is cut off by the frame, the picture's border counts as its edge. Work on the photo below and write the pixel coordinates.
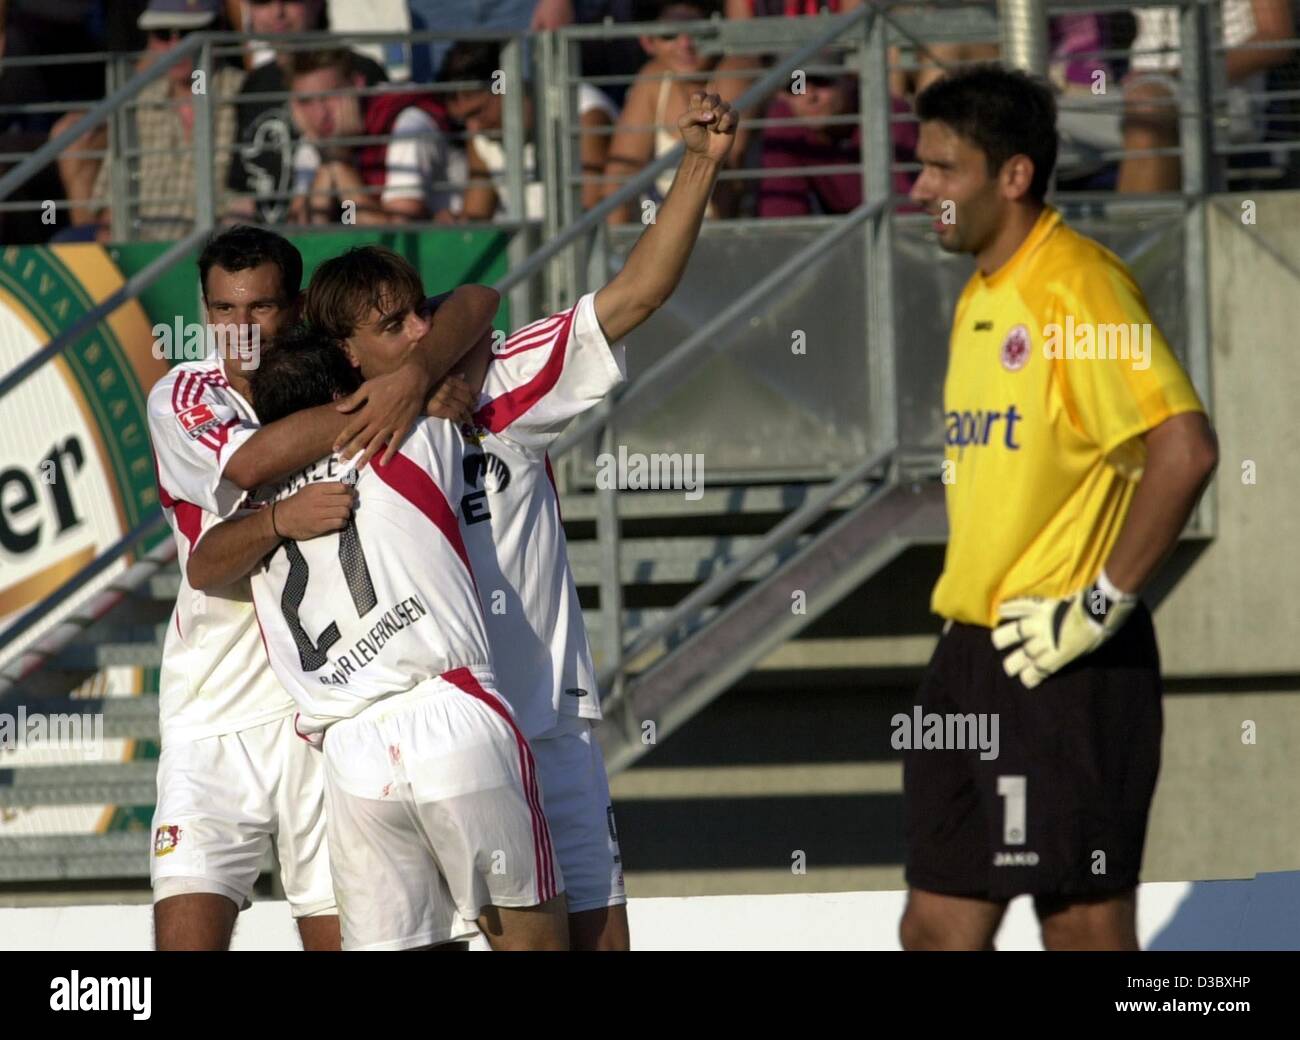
(1076, 449)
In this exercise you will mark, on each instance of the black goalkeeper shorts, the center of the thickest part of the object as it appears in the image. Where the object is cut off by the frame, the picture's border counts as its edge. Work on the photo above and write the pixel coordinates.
(1062, 808)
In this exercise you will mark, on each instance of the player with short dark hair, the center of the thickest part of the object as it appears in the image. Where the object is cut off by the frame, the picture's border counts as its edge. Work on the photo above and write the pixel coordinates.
(1076, 448)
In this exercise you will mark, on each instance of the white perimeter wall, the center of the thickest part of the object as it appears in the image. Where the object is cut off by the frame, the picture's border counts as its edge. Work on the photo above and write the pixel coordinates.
(1263, 913)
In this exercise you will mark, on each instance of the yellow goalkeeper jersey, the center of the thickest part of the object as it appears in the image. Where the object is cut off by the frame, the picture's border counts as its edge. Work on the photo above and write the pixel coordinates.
(1055, 370)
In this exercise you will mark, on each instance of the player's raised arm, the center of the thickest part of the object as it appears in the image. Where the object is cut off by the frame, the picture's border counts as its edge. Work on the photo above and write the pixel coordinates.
(655, 265)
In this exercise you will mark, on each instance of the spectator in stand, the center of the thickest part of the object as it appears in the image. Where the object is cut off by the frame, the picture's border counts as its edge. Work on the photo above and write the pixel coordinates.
(617, 57)
(163, 184)
(480, 110)
(1151, 88)
(1087, 123)
(79, 162)
(794, 194)
(730, 87)
(402, 180)
(647, 127)
(261, 173)
(455, 15)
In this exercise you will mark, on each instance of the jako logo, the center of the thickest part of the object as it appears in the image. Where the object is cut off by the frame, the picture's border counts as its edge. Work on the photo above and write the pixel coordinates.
(99, 994)
(975, 428)
(1015, 859)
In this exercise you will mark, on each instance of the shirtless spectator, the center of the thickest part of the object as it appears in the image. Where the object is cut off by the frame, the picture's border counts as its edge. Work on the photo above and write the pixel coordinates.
(646, 127)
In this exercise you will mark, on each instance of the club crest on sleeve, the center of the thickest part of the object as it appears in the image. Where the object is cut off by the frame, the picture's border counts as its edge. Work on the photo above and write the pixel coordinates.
(1015, 349)
(165, 839)
(197, 420)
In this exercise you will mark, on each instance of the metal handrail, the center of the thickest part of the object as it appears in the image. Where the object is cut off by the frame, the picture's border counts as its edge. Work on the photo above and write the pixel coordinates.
(815, 252)
(792, 525)
(71, 587)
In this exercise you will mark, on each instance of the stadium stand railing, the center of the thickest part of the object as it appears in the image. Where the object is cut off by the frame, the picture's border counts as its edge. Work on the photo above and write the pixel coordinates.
(831, 521)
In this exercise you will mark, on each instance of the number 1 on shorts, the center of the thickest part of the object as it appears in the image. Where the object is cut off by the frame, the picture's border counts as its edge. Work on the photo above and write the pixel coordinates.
(1012, 789)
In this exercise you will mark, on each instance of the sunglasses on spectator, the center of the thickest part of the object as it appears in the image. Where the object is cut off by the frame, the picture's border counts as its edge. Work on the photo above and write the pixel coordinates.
(263, 3)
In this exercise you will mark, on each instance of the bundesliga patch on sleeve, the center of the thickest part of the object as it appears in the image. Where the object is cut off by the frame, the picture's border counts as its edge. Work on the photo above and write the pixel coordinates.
(197, 420)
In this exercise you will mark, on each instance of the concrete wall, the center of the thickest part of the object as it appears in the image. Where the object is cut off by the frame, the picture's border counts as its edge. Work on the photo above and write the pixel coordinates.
(1235, 612)
(1225, 915)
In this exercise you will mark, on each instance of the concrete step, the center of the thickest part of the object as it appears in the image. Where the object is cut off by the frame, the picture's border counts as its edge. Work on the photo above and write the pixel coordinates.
(115, 783)
(719, 502)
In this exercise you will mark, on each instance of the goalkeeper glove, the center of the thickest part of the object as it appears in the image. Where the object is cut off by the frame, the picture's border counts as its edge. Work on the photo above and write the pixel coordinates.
(1048, 634)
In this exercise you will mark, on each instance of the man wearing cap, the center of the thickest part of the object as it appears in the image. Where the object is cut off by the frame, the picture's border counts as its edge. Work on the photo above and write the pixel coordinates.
(163, 187)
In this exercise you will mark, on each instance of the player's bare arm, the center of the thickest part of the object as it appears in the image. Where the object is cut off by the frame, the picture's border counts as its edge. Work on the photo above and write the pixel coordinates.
(457, 326)
(656, 263)
(381, 411)
(1182, 453)
(232, 549)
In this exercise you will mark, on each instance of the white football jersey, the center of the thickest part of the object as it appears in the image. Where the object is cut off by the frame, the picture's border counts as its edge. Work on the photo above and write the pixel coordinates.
(386, 603)
(214, 677)
(538, 380)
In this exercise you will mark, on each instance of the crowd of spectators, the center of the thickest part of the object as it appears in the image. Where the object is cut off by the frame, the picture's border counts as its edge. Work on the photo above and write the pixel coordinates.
(409, 132)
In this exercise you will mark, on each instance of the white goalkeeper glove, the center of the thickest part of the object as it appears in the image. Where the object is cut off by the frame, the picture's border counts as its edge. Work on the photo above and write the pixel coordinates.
(1048, 634)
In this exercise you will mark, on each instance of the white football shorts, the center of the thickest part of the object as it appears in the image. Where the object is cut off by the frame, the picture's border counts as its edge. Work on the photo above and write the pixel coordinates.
(223, 800)
(435, 811)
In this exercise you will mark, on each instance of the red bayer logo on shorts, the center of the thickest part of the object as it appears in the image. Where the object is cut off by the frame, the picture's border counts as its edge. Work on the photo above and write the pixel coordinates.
(1015, 349)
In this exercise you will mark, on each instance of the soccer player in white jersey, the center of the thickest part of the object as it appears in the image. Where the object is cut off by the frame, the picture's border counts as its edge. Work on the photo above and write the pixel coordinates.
(432, 799)
(232, 776)
(544, 375)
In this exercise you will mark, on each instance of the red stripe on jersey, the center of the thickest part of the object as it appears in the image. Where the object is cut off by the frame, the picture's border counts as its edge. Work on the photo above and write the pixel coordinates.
(189, 517)
(501, 411)
(530, 337)
(417, 487)
(223, 433)
(177, 384)
(544, 853)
